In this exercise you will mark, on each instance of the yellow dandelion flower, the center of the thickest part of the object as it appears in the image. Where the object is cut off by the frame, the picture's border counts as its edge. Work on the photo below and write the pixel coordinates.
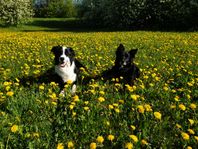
(189, 147)
(133, 127)
(27, 135)
(41, 87)
(102, 92)
(86, 102)
(178, 126)
(69, 81)
(185, 136)
(158, 115)
(115, 105)
(53, 96)
(191, 131)
(172, 106)
(176, 98)
(193, 106)
(7, 88)
(144, 142)
(153, 75)
(93, 145)
(82, 69)
(140, 108)
(36, 134)
(110, 137)
(134, 138)
(134, 87)
(165, 88)
(196, 138)
(86, 108)
(107, 123)
(182, 107)
(14, 128)
(129, 88)
(188, 96)
(10, 93)
(142, 86)
(53, 84)
(76, 98)
(117, 110)
(157, 78)
(134, 97)
(148, 108)
(121, 101)
(60, 146)
(54, 103)
(71, 106)
(100, 139)
(129, 145)
(7, 83)
(190, 84)
(17, 80)
(70, 144)
(73, 114)
(101, 99)
(151, 84)
(17, 84)
(191, 121)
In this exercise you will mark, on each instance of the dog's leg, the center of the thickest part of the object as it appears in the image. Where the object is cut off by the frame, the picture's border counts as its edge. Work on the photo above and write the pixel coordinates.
(73, 89)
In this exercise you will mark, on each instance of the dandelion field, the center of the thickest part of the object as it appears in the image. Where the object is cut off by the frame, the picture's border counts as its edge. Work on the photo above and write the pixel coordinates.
(159, 111)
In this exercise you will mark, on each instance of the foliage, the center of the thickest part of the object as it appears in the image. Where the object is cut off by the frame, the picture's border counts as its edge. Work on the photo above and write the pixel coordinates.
(159, 111)
(142, 13)
(56, 8)
(15, 12)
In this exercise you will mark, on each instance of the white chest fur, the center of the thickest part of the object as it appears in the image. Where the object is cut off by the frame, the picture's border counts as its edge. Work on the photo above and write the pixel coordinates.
(66, 73)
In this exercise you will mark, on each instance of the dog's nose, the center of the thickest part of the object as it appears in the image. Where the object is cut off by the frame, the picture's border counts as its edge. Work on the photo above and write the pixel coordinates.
(61, 59)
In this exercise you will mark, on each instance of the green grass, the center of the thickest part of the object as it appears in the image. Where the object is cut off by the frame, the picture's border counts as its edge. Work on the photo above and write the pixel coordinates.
(35, 116)
(53, 24)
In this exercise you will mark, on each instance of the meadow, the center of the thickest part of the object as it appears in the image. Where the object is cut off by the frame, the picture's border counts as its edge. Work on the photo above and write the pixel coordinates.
(159, 111)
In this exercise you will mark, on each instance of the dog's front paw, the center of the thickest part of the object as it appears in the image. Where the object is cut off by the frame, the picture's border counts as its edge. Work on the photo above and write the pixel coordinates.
(73, 90)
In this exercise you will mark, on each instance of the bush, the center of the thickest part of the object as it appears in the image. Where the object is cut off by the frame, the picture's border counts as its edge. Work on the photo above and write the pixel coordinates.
(15, 12)
(141, 13)
(56, 8)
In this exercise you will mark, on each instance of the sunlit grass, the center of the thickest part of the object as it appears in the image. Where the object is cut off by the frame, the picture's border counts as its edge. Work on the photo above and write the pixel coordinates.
(160, 110)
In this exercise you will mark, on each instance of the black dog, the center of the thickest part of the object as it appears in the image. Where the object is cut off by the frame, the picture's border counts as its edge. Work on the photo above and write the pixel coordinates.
(123, 68)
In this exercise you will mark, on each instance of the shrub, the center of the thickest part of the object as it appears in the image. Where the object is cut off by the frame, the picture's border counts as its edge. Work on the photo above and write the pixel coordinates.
(15, 12)
(141, 13)
(56, 8)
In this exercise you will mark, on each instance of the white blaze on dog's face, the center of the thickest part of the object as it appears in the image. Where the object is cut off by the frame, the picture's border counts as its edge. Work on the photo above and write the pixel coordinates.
(64, 56)
(64, 60)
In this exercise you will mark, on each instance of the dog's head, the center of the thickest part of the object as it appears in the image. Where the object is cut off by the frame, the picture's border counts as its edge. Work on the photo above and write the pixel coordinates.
(124, 58)
(64, 56)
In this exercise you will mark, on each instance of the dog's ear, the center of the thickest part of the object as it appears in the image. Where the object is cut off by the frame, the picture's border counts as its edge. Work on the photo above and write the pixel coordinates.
(55, 48)
(133, 52)
(71, 51)
(120, 49)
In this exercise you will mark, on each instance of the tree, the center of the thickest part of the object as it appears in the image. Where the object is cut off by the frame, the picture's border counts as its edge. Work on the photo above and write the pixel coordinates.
(15, 12)
(130, 14)
(56, 8)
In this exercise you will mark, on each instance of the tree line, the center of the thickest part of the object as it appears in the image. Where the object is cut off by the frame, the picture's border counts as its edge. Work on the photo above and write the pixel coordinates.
(127, 14)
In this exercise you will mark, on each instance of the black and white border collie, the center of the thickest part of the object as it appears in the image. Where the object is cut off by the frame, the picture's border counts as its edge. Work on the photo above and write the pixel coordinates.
(66, 67)
(124, 67)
